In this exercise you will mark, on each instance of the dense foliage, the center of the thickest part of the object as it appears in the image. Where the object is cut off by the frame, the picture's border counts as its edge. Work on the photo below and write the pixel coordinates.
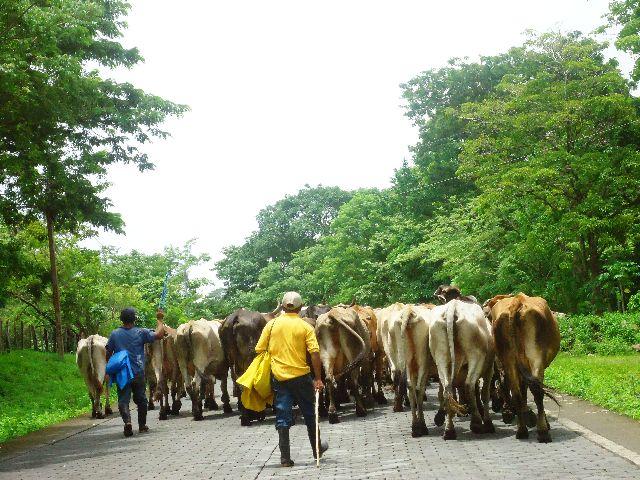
(62, 124)
(525, 177)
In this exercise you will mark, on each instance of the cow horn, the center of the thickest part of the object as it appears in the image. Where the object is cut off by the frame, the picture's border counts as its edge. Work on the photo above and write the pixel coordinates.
(277, 310)
(353, 302)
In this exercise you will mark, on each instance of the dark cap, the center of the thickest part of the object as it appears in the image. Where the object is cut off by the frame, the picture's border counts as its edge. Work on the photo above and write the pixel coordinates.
(128, 315)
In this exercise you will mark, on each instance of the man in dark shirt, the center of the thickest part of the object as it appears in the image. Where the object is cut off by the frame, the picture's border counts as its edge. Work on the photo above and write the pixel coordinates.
(132, 339)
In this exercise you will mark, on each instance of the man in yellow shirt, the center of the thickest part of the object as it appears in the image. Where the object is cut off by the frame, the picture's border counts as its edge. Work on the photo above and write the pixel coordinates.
(288, 339)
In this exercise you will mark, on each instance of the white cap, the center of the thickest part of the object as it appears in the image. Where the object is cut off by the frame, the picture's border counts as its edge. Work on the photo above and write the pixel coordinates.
(291, 301)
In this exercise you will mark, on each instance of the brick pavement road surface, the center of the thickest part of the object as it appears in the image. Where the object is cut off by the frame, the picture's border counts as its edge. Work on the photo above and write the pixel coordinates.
(379, 446)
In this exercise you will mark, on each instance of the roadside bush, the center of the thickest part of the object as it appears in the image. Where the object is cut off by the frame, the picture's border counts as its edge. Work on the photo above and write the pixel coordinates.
(609, 334)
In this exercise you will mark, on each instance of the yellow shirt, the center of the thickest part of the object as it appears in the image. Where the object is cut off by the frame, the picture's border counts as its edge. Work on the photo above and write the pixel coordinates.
(291, 339)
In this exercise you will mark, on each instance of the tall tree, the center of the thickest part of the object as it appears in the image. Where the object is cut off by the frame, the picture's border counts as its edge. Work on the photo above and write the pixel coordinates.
(62, 124)
(625, 14)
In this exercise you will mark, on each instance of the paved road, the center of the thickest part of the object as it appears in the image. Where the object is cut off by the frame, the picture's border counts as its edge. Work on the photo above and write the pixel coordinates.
(379, 446)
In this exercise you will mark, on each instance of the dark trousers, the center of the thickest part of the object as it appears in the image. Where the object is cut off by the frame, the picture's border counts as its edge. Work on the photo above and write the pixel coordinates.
(137, 387)
(299, 389)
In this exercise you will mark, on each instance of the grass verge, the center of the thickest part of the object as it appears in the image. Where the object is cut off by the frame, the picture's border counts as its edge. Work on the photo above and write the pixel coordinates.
(37, 390)
(612, 382)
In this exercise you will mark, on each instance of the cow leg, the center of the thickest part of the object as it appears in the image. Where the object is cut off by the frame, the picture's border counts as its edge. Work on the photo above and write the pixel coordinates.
(152, 388)
(542, 424)
(162, 396)
(361, 409)
(226, 400)
(98, 394)
(476, 420)
(333, 415)
(485, 395)
(497, 402)
(440, 414)
(93, 404)
(519, 404)
(397, 386)
(420, 397)
(107, 397)
(379, 379)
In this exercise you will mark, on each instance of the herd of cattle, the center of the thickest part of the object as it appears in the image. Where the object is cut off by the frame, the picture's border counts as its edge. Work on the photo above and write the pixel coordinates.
(480, 355)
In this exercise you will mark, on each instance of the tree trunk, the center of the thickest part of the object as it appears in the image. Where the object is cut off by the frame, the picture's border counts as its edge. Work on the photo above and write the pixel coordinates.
(34, 338)
(45, 339)
(21, 335)
(15, 335)
(7, 337)
(54, 285)
(1, 336)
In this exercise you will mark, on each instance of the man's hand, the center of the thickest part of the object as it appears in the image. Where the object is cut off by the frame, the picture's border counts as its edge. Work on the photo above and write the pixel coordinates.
(318, 385)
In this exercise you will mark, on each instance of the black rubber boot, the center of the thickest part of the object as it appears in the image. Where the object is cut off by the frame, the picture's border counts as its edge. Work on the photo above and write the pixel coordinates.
(285, 447)
(324, 446)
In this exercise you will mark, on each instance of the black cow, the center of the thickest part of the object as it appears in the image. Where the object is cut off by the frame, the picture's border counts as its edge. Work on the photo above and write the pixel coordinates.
(239, 335)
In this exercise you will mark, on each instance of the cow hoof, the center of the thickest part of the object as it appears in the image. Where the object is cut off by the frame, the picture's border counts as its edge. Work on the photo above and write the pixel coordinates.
(369, 402)
(214, 406)
(544, 437)
(163, 415)
(496, 405)
(531, 418)
(361, 412)
(382, 400)
(333, 418)
(398, 407)
(226, 408)
(244, 421)
(450, 435)
(419, 429)
(151, 406)
(489, 428)
(439, 418)
(522, 434)
(477, 427)
(108, 411)
(100, 415)
(406, 402)
(507, 416)
(323, 413)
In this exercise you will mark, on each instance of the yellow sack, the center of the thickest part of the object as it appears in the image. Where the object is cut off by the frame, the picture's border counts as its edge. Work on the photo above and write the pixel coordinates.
(256, 381)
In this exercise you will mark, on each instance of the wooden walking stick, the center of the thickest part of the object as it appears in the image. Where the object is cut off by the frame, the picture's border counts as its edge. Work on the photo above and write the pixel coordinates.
(317, 429)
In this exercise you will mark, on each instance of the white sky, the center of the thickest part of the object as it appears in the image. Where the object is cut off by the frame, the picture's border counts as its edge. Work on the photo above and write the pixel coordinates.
(285, 93)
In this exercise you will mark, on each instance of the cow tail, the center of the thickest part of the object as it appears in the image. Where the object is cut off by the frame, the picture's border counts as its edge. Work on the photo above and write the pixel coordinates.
(189, 344)
(450, 325)
(535, 385)
(450, 322)
(402, 347)
(359, 357)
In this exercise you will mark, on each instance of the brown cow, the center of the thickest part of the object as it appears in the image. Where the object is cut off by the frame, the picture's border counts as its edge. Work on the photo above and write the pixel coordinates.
(374, 362)
(527, 340)
(344, 342)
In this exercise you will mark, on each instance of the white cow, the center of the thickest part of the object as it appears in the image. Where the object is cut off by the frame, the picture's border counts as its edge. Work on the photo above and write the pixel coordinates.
(415, 359)
(200, 356)
(389, 320)
(91, 358)
(464, 325)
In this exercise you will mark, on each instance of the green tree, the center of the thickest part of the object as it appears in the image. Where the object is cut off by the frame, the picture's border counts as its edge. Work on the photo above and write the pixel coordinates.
(289, 225)
(625, 14)
(62, 123)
